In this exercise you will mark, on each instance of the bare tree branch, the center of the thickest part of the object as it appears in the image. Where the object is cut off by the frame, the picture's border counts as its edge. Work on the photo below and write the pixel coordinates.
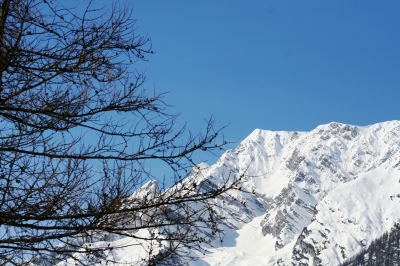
(77, 127)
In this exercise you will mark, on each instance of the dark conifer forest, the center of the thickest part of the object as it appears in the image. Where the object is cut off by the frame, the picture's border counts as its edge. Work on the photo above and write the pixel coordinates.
(384, 250)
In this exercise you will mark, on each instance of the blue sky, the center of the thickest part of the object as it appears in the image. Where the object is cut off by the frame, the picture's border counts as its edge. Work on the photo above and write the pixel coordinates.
(277, 65)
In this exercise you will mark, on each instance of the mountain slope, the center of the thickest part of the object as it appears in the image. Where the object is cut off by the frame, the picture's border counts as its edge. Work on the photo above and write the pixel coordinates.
(384, 250)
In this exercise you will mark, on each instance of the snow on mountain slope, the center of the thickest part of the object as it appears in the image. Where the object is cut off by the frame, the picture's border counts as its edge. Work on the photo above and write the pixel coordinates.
(350, 216)
(292, 175)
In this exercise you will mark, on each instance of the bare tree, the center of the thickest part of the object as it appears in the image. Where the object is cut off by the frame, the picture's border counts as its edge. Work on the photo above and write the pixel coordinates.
(76, 127)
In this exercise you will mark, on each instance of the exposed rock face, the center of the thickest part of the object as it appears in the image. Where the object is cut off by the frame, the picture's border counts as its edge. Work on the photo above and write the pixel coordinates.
(295, 160)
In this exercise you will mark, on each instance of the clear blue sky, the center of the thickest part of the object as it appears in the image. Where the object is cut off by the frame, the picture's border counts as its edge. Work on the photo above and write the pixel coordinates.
(277, 65)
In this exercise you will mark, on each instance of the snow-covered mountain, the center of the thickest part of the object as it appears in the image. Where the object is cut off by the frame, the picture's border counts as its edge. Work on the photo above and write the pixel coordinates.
(319, 196)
